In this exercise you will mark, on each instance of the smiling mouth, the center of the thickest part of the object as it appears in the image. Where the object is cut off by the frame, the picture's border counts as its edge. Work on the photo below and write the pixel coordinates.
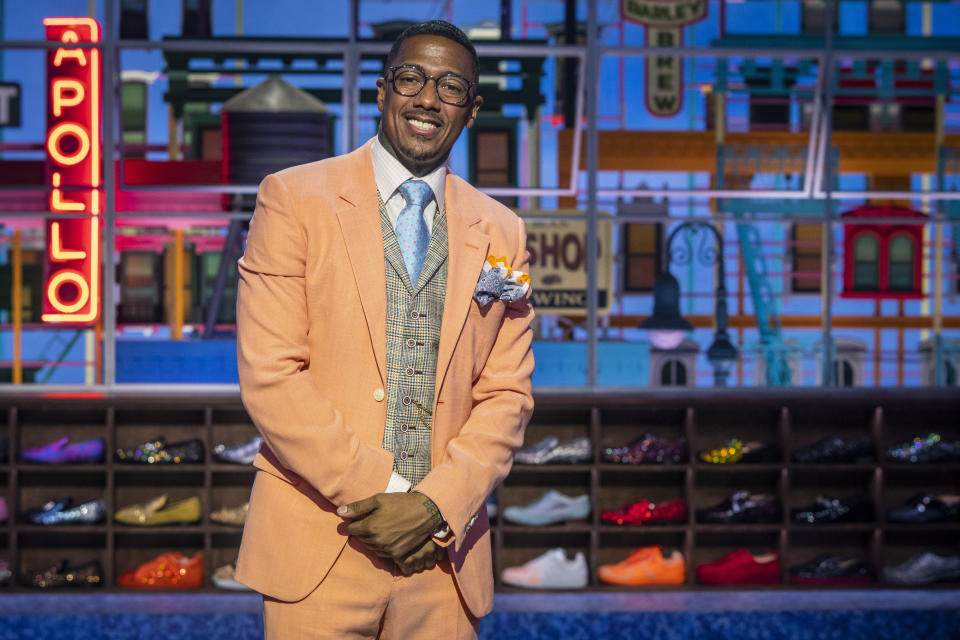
(422, 126)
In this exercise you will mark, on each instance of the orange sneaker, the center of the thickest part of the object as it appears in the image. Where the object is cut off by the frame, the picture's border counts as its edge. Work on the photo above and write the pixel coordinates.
(645, 567)
(166, 571)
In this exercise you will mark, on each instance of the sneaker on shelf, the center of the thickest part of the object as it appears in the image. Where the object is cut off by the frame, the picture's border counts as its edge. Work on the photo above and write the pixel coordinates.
(491, 503)
(741, 567)
(551, 570)
(223, 578)
(924, 568)
(645, 512)
(166, 571)
(551, 508)
(242, 453)
(644, 567)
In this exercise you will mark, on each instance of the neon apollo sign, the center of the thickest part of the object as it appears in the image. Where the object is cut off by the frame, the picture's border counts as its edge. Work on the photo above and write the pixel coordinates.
(71, 292)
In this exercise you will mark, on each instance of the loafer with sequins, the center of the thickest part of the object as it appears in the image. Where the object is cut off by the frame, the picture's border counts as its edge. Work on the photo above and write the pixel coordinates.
(649, 449)
(63, 511)
(576, 451)
(921, 450)
(160, 452)
(535, 453)
(233, 516)
(166, 571)
(60, 576)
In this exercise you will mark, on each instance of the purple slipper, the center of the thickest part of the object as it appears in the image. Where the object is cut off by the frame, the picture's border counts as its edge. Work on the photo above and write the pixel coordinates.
(59, 452)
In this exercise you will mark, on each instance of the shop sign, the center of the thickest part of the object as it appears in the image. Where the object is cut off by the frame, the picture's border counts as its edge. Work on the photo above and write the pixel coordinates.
(558, 263)
(664, 21)
(71, 291)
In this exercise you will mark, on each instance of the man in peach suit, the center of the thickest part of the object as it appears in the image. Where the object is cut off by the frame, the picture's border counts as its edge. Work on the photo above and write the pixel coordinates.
(384, 355)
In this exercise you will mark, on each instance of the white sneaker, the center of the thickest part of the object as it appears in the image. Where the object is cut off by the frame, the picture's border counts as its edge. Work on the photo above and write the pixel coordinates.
(551, 570)
(223, 579)
(551, 508)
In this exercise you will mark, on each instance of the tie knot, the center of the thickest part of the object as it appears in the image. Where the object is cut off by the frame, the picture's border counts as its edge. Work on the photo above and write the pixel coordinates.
(415, 192)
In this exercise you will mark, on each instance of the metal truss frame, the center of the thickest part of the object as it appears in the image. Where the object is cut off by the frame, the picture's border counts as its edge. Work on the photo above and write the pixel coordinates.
(589, 56)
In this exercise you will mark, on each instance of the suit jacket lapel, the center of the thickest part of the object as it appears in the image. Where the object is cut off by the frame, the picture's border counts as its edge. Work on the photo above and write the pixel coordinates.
(467, 249)
(359, 215)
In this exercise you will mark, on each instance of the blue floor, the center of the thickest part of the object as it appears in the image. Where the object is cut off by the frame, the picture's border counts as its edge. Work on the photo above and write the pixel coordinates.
(740, 615)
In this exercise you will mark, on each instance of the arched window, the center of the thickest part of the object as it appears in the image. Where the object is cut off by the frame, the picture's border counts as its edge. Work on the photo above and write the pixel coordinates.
(673, 374)
(843, 371)
(900, 263)
(866, 259)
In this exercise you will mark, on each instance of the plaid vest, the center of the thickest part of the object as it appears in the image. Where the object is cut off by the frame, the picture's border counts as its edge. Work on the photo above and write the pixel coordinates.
(414, 314)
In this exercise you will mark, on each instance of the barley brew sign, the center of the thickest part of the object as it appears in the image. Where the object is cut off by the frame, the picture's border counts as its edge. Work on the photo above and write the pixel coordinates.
(664, 21)
(71, 292)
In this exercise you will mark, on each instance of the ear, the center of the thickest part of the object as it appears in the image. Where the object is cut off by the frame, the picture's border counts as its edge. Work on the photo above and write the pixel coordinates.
(477, 102)
(381, 93)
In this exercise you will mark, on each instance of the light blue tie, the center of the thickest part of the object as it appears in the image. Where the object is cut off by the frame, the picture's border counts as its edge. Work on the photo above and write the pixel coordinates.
(411, 229)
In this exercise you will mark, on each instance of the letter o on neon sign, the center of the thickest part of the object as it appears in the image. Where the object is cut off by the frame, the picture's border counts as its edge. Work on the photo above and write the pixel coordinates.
(53, 291)
(56, 135)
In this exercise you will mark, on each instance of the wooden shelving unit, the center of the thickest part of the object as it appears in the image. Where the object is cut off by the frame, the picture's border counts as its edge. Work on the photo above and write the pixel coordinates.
(793, 418)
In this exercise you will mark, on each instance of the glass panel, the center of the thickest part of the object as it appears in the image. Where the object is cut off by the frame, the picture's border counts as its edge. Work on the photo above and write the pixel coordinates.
(642, 238)
(901, 249)
(866, 247)
(641, 273)
(901, 271)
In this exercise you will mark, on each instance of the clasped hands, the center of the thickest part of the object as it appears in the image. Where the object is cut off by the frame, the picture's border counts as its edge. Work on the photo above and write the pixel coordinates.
(398, 526)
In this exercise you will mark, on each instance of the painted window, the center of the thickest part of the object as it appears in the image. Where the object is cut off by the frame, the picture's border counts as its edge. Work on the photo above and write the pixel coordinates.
(866, 263)
(673, 374)
(843, 371)
(900, 265)
(806, 258)
(642, 250)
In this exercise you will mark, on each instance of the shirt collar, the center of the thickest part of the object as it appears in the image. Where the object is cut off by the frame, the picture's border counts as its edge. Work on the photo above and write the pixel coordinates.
(390, 173)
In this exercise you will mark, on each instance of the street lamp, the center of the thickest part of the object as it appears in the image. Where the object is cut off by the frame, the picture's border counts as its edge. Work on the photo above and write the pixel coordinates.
(666, 325)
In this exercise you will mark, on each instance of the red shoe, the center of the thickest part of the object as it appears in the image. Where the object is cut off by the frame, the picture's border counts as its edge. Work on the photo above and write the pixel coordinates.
(741, 567)
(166, 571)
(646, 512)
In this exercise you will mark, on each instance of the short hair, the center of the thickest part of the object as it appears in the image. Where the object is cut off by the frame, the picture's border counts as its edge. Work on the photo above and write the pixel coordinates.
(440, 28)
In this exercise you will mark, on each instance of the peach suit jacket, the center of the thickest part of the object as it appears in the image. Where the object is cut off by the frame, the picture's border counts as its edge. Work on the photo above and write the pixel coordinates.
(311, 351)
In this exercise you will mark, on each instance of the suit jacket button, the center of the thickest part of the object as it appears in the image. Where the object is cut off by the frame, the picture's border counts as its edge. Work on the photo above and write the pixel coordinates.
(378, 395)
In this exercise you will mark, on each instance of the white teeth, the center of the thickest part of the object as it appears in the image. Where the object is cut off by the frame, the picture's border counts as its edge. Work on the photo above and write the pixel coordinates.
(423, 126)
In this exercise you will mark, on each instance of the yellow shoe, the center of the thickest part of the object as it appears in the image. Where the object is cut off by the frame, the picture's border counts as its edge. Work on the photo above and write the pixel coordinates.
(234, 516)
(157, 512)
(137, 514)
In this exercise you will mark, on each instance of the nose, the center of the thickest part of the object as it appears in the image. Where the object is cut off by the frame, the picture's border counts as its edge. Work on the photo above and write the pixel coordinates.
(429, 98)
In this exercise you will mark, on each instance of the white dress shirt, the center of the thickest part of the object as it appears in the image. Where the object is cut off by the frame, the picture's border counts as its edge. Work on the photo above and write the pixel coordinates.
(389, 174)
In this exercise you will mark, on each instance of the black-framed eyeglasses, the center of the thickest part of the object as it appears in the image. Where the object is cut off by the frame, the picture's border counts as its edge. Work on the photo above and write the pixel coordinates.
(409, 81)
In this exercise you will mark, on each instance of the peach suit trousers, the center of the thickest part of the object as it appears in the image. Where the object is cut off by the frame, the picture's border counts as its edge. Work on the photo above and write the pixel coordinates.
(367, 597)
